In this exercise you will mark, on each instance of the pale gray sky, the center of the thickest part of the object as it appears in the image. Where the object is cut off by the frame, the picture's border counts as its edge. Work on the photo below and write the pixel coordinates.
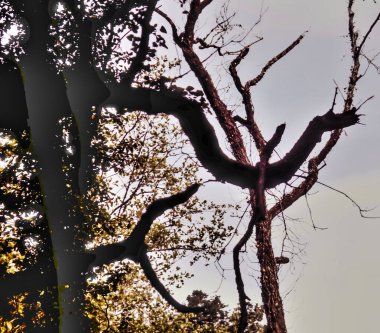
(336, 282)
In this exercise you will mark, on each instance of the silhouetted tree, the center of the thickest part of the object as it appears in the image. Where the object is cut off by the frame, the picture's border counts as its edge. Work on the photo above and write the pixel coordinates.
(63, 64)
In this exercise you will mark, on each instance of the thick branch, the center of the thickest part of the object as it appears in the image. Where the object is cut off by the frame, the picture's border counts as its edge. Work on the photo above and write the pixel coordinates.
(194, 124)
(131, 247)
(196, 8)
(270, 291)
(185, 42)
(157, 208)
(205, 143)
(287, 166)
(134, 247)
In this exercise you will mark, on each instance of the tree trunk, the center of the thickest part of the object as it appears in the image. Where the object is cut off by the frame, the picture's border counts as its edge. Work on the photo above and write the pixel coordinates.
(270, 291)
(47, 104)
(40, 274)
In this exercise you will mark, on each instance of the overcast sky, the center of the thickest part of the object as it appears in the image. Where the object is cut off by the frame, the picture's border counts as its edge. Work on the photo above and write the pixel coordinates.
(335, 283)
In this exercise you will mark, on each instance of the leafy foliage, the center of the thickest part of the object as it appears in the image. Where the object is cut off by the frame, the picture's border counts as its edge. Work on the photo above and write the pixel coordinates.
(13, 31)
(121, 300)
(63, 31)
(139, 159)
(19, 205)
(20, 309)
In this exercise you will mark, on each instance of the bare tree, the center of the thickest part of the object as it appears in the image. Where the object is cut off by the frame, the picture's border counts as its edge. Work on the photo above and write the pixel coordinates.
(267, 175)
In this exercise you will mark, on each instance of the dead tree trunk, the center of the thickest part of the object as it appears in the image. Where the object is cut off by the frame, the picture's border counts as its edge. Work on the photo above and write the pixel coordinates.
(270, 291)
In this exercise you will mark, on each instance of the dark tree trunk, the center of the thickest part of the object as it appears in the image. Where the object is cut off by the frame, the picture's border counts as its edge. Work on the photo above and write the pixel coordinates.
(270, 290)
(47, 104)
(40, 274)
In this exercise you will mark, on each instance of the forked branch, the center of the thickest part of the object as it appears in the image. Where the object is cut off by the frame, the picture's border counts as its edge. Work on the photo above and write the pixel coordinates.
(134, 248)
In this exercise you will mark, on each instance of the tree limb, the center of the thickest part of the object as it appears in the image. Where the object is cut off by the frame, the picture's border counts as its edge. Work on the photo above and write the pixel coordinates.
(271, 62)
(285, 168)
(130, 247)
(186, 42)
(161, 289)
(137, 63)
(157, 208)
(134, 247)
(205, 143)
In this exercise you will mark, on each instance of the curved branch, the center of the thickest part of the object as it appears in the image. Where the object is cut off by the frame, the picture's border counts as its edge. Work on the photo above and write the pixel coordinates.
(244, 91)
(134, 247)
(161, 289)
(195, 125)
(131, 247)
(232, 68)
(205, 143)
(374, 23)
(171, 23)
(157, 208)
(243, 320)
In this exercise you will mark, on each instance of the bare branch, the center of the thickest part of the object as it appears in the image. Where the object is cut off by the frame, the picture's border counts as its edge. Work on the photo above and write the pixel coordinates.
(243, 53)
(355, 53)
(243, 320)
(364, 102)
(351, 27)
(171, 23)
(369, 32)
(274, 141)
(241, 120)
(311, 215)
(287, 166)
(361, 210)
(271, 62)
(247, 101)
(372, 63)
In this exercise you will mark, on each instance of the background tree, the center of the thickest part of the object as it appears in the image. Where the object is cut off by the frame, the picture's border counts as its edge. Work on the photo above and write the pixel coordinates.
(77, 59)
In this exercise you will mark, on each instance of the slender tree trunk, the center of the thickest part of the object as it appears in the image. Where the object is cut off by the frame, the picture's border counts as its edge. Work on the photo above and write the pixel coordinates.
(86, 92)
(270, 290)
